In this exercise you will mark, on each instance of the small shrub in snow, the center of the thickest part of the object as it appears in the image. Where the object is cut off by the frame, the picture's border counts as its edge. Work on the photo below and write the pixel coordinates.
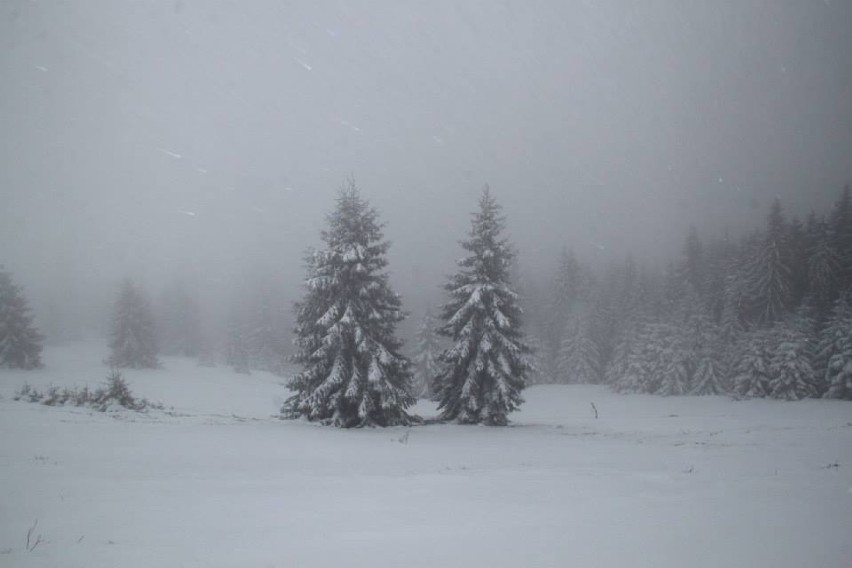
(114, 395)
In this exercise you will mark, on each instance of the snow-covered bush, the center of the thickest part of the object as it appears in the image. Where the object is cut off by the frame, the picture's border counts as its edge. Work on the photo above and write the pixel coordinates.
(114, 395)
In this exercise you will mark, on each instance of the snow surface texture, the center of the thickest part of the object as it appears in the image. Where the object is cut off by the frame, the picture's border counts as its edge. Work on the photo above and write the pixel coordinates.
(218, 481)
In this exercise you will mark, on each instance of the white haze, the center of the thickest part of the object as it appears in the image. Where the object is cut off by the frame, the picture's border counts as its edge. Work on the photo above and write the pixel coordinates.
(205, 140)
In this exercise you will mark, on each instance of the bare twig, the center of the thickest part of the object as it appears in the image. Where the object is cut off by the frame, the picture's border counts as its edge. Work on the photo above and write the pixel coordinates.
(595, 408)
(33, 543)
(30, 533)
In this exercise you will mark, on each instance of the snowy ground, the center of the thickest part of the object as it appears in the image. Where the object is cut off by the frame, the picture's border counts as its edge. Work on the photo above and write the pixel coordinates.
(218, 481)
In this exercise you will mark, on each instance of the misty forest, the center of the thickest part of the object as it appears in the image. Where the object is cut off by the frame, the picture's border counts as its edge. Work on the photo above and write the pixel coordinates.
(386, 284)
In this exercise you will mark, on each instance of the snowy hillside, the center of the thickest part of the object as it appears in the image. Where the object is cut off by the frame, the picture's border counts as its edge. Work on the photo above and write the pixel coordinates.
(217, 480)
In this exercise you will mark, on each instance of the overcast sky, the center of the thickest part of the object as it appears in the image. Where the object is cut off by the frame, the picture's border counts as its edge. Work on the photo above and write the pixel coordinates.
(209, 137)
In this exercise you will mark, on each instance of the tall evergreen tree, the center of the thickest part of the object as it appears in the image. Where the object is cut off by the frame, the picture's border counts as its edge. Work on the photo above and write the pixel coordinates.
(841, 228)
(133, 340)
(352, 372)
(751, 374)
(579, 357)
(237, 349)
(265, 337)
(566, 291)
(179, 322)
(618, 319)
(487, 366)
(823, 271)
(672, 359)
(734, 315)
(694, 265)
(616, 370)
(426, 366)
(791, 376)
(635, 359)
(699, 339)
(776, 362)
(769, 285)
(20, 342)
(206, 351)
(708, 376)
(835, 351)
(797, 260)
(719, 261)
(598, 313)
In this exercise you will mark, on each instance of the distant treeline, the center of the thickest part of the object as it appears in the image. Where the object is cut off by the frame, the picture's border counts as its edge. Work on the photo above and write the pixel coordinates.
(766, 315)
(769, 315)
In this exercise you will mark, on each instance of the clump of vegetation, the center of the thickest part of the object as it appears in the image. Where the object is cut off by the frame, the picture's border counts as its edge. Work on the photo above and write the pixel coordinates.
(113, 395)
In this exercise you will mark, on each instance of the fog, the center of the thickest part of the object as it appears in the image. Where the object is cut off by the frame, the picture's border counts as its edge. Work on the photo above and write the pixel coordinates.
(204, 141)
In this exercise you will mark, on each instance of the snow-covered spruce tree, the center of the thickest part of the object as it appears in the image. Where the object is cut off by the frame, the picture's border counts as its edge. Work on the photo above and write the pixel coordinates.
(730, 329)
(352, 372)
(841, 228)
(579, 356)
(693, 267)
(835, 349)
(487, 366)
(20, 342)
(709, 374)
(600, 331)
(823, 271)
(178, 322)
(237, 351)
(672, 358)
(206, 351)
(657, 362)
(265, 336)
(750, 372)
(700, 337)
(720, 258)
(133, 341)
(791, 376)
(768, 276)
(628, 331)
(625, 314)
(624, 352)
(426, 366)
(635, 361)
(565, 296)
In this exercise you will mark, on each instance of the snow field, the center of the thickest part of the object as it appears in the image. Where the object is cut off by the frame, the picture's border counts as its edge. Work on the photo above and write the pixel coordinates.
(216, 480)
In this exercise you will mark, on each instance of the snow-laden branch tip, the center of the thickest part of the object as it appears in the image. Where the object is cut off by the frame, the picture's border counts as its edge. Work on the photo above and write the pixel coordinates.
(170, 153)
